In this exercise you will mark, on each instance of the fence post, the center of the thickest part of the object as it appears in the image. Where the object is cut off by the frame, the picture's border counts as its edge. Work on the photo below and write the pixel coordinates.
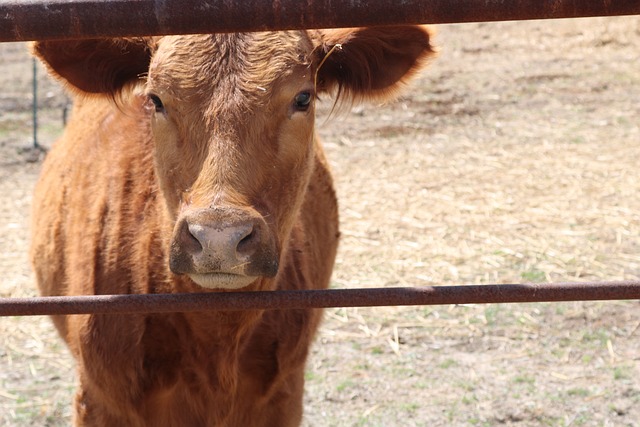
(36, 145)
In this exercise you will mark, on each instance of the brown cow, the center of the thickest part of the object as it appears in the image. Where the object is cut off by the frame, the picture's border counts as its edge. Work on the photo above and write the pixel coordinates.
(191, 164)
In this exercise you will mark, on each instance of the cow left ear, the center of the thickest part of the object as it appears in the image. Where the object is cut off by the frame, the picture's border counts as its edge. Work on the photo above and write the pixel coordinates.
(370, 62)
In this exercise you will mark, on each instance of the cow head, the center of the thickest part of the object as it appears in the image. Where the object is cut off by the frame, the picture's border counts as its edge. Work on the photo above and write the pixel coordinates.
(232, 118)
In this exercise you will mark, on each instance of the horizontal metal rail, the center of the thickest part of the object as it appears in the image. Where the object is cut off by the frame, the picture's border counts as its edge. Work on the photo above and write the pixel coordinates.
(22, 20)
(372, 297)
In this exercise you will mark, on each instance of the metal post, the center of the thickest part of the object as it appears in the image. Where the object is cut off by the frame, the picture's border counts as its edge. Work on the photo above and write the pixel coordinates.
(36, 145)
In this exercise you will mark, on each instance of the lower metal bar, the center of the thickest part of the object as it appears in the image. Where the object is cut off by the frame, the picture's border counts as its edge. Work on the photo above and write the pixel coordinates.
(373, 297)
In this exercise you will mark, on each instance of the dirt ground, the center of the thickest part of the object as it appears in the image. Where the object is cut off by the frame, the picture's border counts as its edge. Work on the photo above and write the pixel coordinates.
(513, 158)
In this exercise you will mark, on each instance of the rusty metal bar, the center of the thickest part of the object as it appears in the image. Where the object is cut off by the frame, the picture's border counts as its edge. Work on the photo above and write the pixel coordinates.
(374, 297)
(22, 20)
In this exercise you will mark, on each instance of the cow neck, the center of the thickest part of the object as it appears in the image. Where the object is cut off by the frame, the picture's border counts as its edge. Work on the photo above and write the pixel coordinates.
(206, 345)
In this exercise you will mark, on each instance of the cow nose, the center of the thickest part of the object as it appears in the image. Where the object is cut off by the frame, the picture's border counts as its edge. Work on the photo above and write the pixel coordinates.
(236, 241)
(223, 244)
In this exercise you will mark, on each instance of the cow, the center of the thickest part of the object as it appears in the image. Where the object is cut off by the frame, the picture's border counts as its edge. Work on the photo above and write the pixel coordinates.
(191, 164)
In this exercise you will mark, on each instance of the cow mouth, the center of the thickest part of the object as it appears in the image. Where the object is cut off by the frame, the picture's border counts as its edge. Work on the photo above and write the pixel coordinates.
(222, 280)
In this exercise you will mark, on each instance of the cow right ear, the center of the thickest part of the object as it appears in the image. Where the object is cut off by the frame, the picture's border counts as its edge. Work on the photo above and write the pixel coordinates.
(370, 62)
(96, 65)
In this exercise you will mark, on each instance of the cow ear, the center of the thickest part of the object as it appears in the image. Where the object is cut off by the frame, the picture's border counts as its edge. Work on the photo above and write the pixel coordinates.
(96, 65)
(371, 62)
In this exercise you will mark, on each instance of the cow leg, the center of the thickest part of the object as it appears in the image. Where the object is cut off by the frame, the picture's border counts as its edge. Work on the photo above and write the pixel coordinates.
(285, 408)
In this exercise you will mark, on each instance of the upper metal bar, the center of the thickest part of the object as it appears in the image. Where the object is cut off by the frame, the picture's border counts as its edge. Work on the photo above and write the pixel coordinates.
(22, 20)
(433, 295)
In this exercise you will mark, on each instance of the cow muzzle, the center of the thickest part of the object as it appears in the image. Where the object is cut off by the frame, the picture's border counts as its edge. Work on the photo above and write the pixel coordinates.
(223, 247)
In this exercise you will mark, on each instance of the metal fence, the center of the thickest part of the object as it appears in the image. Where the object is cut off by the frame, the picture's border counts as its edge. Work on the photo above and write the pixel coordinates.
(64, 19)
(366, 297)
(67, 19)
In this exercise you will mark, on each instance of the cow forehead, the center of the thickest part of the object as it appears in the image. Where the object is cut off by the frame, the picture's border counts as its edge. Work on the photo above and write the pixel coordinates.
(243, 62)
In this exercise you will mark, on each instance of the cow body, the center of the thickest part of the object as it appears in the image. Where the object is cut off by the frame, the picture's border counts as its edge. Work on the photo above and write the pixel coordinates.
(190, 164)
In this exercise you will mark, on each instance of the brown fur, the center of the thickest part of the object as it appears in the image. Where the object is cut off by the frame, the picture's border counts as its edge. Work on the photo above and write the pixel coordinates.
(118, 188)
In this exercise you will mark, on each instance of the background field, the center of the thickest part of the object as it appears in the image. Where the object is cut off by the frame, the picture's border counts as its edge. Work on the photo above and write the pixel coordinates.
(513, 158)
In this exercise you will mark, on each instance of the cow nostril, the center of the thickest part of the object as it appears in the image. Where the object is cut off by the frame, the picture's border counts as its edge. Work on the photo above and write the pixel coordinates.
(187, 240)
(247, 244)
(246, 238)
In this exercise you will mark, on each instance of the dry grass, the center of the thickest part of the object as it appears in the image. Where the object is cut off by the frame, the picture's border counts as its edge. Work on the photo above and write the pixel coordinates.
(514, 158)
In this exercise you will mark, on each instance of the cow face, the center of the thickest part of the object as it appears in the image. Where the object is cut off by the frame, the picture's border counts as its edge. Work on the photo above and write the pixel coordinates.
(233, 128)
(232, 119)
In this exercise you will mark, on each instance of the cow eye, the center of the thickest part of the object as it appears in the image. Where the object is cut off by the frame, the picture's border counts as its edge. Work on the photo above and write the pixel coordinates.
(302, 101)
(157, 103)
